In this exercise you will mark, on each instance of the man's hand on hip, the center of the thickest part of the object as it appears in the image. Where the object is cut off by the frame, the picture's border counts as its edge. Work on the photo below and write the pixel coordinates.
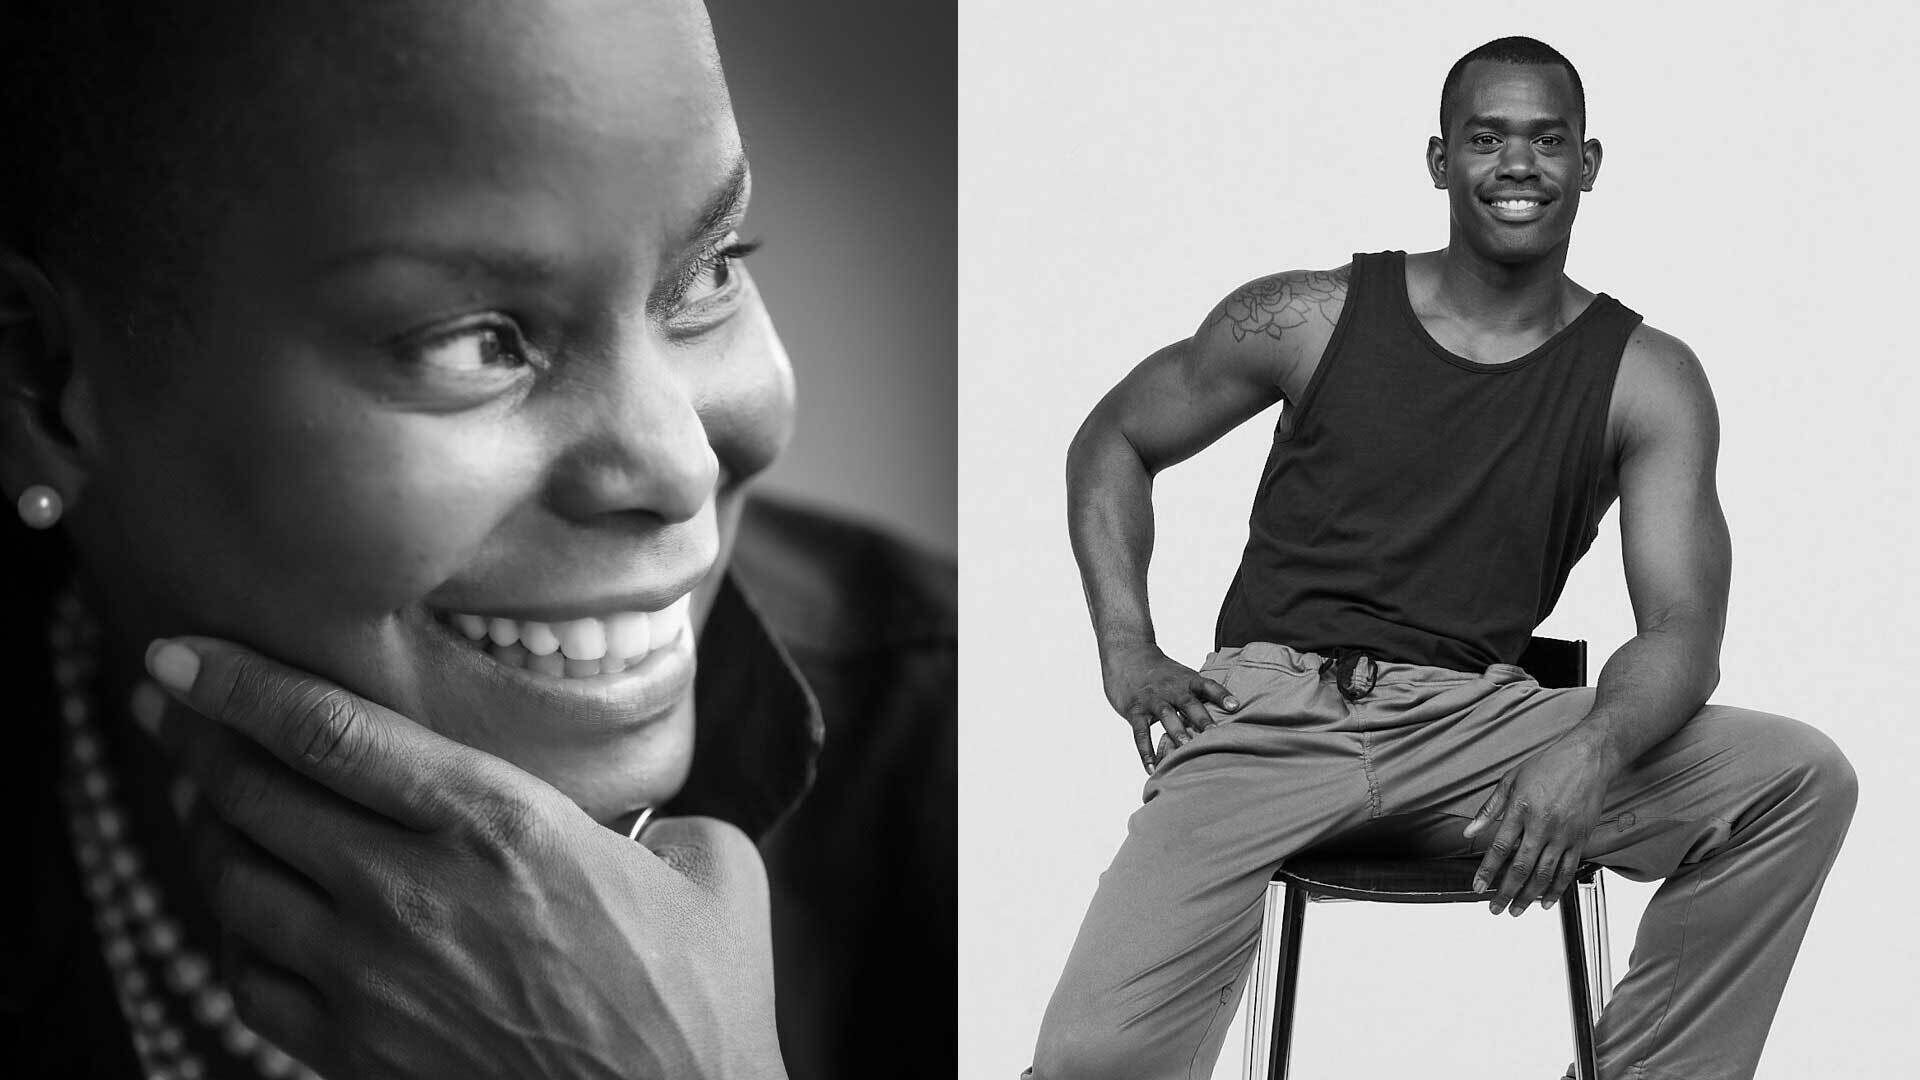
(1144, 685)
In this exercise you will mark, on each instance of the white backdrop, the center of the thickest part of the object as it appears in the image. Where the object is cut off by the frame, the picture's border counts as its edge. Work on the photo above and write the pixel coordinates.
(1124, 164)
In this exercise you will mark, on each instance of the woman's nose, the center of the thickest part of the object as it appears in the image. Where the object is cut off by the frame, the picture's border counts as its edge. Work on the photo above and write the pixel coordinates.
(642, 446)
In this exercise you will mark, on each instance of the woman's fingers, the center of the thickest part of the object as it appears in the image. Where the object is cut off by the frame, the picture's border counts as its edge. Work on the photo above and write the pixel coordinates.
(266, 904)
(372, 755)
(316, 832)
(281, 1006)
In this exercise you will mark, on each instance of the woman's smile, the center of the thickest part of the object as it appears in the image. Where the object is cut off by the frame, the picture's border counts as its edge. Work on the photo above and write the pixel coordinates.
(644, 664)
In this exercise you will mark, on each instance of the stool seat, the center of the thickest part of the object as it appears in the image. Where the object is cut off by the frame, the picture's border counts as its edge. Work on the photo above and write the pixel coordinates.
(1387, 881)
(1444, 880)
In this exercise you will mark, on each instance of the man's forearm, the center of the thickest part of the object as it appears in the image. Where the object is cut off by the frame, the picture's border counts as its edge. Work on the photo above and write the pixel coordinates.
(1110, 522)
(1651, 686)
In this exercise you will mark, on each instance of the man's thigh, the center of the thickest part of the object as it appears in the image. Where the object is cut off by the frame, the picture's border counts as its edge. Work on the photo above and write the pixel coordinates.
(1171, 925)
(1691, 794)
(1676, 804)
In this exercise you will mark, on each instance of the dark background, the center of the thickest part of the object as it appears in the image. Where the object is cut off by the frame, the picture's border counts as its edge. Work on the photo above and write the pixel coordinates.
(848, 110)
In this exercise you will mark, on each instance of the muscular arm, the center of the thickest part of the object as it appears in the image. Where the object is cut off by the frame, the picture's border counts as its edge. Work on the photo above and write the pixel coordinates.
(1171, 406)
(1677, 553)
(1677, 559)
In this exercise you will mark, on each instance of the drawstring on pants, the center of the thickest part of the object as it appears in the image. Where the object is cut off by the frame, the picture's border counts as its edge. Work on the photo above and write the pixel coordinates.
(1340, 663)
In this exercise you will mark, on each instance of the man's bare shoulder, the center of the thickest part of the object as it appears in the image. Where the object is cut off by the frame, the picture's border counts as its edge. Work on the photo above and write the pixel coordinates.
(1657, 362)
(1291, 303)
(1661, 389)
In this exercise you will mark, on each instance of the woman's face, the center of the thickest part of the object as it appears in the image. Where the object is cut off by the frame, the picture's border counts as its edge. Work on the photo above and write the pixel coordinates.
(467, 351)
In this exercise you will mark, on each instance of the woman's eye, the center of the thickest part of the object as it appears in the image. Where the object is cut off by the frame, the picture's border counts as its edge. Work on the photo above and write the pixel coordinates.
(716, 274)
(472, 351)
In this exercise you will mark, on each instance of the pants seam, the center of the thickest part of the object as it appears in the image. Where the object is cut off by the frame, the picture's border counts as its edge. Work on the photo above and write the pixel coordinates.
(1366, 769)
(1679, 963)
(1219, 1003)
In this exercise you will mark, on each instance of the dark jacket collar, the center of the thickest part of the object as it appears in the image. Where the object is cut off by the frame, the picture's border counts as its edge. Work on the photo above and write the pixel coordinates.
(757, 727)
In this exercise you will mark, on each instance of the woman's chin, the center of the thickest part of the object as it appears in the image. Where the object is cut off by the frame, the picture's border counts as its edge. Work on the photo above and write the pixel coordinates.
(612, 778)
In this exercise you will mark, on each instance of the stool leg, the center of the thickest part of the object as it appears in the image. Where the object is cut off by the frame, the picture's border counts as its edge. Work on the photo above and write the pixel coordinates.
(1593, 915)
(1574, 938)
(1260, 992)
(1293, 921)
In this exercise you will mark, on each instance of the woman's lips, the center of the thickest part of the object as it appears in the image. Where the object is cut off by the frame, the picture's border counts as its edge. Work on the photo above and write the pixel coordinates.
(613, 692)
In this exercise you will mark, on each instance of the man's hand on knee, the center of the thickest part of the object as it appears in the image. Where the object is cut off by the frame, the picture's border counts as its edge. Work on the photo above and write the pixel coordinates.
(1543, 811)
(1145, 687)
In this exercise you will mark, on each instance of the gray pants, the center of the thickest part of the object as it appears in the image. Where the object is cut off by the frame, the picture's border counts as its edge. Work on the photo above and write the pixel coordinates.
(1741, 812)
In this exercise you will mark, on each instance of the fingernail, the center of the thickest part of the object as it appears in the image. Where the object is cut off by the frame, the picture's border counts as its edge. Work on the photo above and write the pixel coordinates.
(1233, 703)
(1479, 884)
(175, 665)
(1495, 907)
(1546, 905)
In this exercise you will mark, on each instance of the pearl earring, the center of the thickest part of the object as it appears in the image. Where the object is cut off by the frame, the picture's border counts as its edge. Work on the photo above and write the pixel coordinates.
(39, 506)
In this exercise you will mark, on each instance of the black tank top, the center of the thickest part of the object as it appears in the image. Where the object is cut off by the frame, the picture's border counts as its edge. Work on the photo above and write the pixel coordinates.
(1418, 505)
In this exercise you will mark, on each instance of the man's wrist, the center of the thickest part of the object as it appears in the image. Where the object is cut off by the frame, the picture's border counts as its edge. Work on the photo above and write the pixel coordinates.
(1115, 646)
(1596, 737)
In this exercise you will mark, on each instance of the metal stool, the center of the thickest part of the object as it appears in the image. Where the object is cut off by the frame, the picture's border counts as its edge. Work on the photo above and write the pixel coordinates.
(1328, 875)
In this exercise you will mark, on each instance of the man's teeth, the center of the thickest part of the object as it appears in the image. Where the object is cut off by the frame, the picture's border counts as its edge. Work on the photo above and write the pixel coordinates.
(607, 645)
(1516, 204)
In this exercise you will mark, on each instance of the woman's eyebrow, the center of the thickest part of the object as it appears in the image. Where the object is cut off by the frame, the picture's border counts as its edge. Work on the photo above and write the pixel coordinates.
(725, 207)
(716, 217)
(508, 265)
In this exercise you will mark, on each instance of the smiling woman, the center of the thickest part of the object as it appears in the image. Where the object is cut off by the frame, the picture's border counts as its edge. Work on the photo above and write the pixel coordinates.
(404, 357)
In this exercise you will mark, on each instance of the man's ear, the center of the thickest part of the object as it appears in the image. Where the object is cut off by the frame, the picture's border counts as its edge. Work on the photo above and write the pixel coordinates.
(1437, 161)
(48, 420)
(1590, 152)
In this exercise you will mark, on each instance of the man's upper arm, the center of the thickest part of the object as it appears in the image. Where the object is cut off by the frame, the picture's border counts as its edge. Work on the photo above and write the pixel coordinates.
(1182, 398)
(1673, 534)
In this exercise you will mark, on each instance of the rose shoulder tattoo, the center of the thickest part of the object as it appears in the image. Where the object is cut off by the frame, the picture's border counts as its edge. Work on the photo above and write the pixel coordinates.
(1280, 303)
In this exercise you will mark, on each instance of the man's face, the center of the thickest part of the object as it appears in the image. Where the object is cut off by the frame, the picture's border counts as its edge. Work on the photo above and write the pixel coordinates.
(471, 355)
(1512, 161)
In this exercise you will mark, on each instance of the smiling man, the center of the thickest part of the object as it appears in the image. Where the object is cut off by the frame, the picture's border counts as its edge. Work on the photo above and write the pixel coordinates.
(1456, 424)
(397, 362)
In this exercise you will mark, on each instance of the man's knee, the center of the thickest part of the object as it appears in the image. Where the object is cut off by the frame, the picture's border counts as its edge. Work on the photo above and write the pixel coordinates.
(1821, 776)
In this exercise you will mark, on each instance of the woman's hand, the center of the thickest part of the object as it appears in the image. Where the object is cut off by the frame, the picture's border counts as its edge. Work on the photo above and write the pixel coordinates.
(398, 904)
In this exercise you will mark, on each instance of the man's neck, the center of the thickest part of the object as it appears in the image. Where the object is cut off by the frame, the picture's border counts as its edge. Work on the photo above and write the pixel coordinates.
(1497, 295)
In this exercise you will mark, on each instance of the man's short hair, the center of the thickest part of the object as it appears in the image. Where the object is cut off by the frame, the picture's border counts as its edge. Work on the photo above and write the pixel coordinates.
(1511, 50)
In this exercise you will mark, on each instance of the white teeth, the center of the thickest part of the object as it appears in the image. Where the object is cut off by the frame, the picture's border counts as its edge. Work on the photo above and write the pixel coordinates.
(577, 648)
(539, 638)
(628, 634)
(675, 620)
(1515, 204)
(582, 639)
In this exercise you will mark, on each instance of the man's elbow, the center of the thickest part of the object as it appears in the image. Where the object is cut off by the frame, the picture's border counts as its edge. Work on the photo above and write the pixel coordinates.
(1096, 446)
